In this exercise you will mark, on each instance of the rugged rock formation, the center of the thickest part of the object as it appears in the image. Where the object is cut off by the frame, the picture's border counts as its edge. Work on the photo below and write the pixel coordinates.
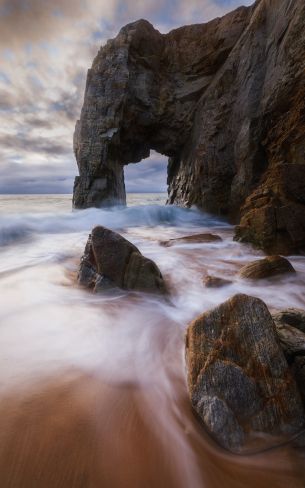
(238, 378)
(111, 261)
(266, 268)
(225, 101)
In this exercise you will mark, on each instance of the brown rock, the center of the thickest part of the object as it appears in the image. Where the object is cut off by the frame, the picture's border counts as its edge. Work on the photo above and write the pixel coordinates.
(112, 261)
(194, 239)
(266, 268)
(294, 317)
(238, 378)
(292, 340)
(215, 282)
(225, 101)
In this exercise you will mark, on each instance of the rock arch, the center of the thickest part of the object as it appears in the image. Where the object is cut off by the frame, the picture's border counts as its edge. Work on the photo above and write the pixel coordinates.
(224, 101)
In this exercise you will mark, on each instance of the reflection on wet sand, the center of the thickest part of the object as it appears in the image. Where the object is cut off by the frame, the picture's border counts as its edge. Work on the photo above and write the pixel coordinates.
(77, 431)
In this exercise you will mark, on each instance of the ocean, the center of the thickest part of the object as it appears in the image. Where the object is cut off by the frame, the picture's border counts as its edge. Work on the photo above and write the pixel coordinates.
(93, 389)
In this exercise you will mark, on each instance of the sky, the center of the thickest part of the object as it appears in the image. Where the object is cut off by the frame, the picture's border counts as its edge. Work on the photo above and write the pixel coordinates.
(46, 47)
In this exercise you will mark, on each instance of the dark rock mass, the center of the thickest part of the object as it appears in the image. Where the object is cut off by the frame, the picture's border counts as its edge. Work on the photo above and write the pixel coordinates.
(111, 261)
(238, 378)
(266, 268)
(225, 101)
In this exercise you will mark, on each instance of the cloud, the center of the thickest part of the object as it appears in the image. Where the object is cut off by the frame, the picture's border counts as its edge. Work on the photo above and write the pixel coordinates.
(149, 175)
(46, 48)
(35, 178)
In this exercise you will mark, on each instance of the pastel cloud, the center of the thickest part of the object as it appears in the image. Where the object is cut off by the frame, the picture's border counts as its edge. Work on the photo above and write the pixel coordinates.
(46, 48)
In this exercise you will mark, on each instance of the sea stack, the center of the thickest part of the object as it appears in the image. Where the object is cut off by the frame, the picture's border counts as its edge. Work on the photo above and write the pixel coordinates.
(225, 101)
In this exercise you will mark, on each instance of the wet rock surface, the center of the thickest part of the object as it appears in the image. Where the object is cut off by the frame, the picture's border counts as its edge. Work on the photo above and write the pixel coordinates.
(225, 101)
(215, 282)
(294, 317)
(266, 268)
(290, 326)
(111, 261)
(194, 239)
(239, 381)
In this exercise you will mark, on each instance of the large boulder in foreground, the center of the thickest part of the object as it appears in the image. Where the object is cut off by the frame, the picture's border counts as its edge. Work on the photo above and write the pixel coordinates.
(266, 268)
(112, 261)
(238, 378)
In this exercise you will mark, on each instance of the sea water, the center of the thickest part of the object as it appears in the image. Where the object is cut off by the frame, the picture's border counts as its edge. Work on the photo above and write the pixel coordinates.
(92, 387)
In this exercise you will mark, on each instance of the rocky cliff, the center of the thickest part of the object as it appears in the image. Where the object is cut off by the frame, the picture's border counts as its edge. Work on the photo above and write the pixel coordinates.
(225, 101)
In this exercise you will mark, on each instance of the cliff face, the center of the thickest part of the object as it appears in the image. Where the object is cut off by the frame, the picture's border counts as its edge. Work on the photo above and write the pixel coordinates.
(223, 100)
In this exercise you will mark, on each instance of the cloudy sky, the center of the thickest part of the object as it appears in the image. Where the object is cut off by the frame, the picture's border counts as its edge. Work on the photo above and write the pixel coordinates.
(46, 47)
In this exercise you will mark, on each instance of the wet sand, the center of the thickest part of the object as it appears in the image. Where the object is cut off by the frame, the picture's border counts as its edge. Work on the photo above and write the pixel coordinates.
(74, 431)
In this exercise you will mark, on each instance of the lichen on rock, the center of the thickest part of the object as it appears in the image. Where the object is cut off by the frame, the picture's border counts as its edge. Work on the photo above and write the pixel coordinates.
(239, 381)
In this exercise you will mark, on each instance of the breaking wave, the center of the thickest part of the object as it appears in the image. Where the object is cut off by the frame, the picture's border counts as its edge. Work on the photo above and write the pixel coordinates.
(16, 228)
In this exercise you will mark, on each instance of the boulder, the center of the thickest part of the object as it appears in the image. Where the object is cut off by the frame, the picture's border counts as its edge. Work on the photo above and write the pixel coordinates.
(215, 282)
(239, 381)
(294, 317)
(290, 326)
(194, 239)
(266, 268)
(111, 261)
(292, 340)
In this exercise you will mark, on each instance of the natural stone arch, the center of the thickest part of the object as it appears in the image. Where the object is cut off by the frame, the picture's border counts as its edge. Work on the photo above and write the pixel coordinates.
(225, 101)
(141, 94)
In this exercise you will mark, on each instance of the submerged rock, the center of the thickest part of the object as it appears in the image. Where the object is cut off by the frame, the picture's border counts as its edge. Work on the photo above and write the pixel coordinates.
(194, 239)
(224, 100)
(239, 381)
(111, 261)
(266, 268)
(215, 282)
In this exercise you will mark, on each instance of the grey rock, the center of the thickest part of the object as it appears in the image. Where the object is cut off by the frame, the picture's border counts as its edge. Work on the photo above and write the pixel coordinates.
(219, 419)
(233, 355)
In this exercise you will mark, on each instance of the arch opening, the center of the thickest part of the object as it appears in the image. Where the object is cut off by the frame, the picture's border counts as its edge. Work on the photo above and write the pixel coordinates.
(148, 177)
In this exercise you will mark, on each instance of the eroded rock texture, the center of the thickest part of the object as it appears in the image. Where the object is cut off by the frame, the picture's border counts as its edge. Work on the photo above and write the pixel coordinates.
(266, 268)
(290, 326)
(225, 101)
(111, 261)
(238, 378)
